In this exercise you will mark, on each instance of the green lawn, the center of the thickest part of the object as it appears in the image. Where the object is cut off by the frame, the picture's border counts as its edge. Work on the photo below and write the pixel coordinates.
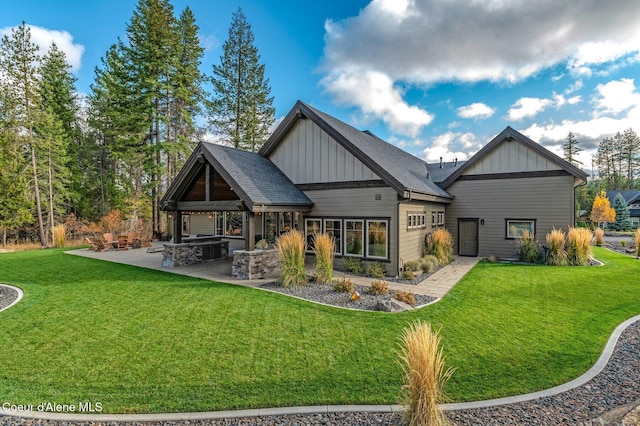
(138, 340)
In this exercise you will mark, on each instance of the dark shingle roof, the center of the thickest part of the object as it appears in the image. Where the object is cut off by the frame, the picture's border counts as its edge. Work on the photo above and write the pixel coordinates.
(255, 176)
(629, 195)
(399, 169)
(440, 174)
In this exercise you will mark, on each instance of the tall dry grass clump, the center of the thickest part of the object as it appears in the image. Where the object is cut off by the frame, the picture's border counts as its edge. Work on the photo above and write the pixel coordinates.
(599, 237)
(425, 375)
(579, 246)
(441, 246)
(636, 238)
(556, 254)
(324, 247)
(528, 247)
(291, 248)
(59, 235)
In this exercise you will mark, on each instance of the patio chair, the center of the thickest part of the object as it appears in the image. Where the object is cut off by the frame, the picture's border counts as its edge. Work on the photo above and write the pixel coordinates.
(94, 246)
(133, 240)
(100, 245)
(123, 243)
(109, 241)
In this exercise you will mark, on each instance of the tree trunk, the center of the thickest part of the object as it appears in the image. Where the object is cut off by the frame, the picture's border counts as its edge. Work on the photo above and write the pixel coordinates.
(51, 217)
(36, 188)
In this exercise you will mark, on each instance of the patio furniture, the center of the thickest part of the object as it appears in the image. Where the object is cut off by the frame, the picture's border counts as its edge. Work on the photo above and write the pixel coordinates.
(123, 243)
(132, 240)
(100, 245)
(94, 246)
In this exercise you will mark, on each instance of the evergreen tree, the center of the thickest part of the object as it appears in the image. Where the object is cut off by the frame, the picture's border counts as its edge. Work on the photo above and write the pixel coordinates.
(18, 66)
(630, 148)
(623, 221)
(241, 109)
(571, 150)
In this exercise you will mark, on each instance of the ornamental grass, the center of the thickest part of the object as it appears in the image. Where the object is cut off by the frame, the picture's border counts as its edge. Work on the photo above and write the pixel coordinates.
(441, 246)
(291, 248)
(599, 237)
(528, 250)
(324, 247)
(59, 235)
(556, 254)
(425, 375)
(579, 246)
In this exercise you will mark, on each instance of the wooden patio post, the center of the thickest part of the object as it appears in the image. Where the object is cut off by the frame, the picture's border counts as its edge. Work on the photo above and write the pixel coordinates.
(250, 234)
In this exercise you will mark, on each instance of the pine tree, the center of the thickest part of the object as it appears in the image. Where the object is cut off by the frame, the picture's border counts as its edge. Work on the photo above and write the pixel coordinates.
(630, 147)
(18, 66)
(571, 150)
(241, 109)
(623, 221)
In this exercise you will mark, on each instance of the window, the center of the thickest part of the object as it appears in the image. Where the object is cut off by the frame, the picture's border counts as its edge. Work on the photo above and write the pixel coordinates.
(270, 226)
(186, 220)
(333, 228)
(433, 219)
(219, 223)
(354, 238)
(312, 227)
(416, 220)
(440, 218)
(515, 227)
(234, 224)
(377, 238)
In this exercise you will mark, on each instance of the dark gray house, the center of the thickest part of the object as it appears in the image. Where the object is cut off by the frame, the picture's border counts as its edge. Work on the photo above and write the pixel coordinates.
(632, 197)
(319, 174)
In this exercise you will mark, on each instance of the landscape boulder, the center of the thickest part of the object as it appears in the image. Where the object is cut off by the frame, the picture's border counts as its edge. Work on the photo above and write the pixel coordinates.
(393, 305)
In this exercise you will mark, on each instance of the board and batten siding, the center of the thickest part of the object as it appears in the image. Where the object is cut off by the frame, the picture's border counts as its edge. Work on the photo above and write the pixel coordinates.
(509, 157)
(548, 200)
(412, 240)
(360, 203)
(307, 154)
(201, 224)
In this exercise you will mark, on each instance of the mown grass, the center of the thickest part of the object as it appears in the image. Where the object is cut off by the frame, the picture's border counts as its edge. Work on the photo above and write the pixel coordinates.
(138, 340)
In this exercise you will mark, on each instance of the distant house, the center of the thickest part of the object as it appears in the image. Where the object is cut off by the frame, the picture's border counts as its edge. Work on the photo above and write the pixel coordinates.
(632, 197)
(319, 174)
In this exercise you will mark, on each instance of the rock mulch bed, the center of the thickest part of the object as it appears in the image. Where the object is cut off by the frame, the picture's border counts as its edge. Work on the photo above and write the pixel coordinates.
(324, 293)
(7, 296)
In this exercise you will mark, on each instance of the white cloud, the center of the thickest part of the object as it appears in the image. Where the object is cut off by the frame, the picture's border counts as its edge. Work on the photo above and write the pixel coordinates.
(419, 43)
(616, 96)
(476, 110)
(43, 37)
(527, 107)
(376, 94)
(451, 145)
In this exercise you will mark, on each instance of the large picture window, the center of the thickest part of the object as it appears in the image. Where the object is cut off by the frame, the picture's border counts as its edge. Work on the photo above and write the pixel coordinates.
(354, 238)
(377, 239)
(234, 224)
(334, 229)
(515, 227)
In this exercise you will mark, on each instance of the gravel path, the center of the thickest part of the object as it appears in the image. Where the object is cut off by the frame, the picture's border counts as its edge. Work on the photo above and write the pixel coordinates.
(324, 293)
(7, 296)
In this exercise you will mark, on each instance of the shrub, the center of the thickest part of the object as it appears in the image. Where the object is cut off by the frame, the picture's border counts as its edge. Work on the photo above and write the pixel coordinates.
(291, 247)
(376, 270)
(423, 365)
(412, 265)
(428, 263)
(636, 238)
(623, 243)
(408, 275)
(324, 247)
(405, 296)
(599, 237)
(556, 255)
(59, 235)
(378, 288)
(441, 246)
(578, 246)
(343, 285)
(353, 264)
(528, 250)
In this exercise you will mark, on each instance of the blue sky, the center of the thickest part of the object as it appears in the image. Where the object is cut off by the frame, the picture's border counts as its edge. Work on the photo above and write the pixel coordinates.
(435, 77)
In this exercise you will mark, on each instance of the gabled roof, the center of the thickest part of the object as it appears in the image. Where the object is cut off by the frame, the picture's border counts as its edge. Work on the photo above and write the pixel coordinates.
(629, 195)
(256, 180)
(510, 134)
(438, 172)
(405, 173)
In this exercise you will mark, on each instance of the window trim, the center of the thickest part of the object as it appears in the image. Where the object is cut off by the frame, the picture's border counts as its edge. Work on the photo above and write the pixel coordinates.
(416, 220)
(309, 245)
(440, 218)
(366, 252)
(362, 240)
(338, 245)
(506, 227)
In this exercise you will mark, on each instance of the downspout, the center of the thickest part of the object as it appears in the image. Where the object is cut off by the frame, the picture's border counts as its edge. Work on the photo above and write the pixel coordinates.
(398, 234)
